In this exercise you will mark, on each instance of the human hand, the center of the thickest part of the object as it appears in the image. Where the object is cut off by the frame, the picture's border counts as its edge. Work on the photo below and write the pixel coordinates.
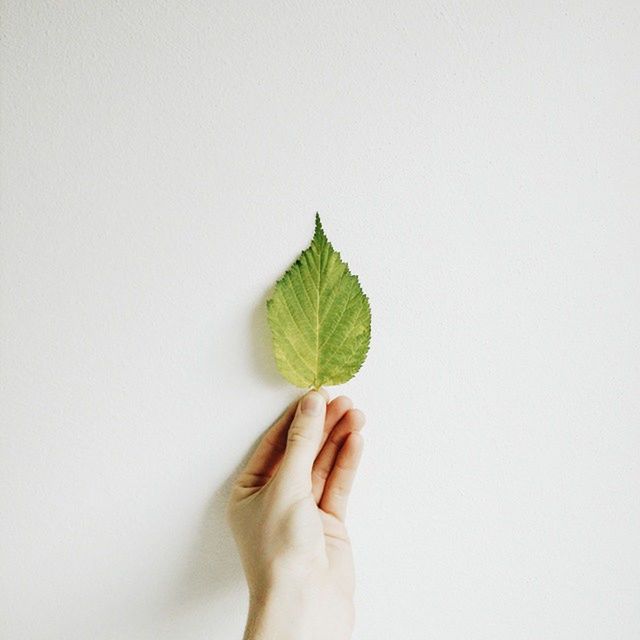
(287, 511)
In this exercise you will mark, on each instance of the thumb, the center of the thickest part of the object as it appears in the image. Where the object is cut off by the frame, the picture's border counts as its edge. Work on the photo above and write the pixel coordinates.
(303, 440)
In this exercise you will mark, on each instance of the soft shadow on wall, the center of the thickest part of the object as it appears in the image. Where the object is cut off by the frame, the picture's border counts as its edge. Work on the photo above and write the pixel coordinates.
(214, 567)
(261, 350)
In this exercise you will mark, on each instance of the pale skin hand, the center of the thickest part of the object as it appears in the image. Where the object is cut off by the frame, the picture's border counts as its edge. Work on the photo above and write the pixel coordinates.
(287, 511)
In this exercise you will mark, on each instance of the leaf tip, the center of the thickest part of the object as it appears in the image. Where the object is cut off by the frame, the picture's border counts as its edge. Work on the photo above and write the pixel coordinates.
(319, 231)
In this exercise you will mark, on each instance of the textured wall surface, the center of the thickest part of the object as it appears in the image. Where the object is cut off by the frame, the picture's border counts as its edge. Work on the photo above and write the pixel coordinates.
(476, 163)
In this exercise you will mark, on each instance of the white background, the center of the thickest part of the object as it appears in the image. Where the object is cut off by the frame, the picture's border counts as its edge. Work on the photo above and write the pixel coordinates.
(477, 164)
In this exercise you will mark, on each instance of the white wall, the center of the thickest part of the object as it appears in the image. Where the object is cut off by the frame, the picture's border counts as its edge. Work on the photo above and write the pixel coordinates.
(477, 163)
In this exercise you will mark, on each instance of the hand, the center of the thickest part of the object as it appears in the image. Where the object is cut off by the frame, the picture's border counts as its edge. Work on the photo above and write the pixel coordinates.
(287, 510)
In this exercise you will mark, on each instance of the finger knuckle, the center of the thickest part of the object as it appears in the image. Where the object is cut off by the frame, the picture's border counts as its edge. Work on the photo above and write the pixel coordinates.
(299, 434)
(339, 491)
(321, 473)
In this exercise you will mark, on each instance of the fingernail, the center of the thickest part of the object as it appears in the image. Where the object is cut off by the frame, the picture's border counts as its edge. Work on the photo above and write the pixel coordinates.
(312, 404)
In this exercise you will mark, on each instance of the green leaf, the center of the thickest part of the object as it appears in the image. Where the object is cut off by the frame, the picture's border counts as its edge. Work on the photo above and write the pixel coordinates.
(319, 317)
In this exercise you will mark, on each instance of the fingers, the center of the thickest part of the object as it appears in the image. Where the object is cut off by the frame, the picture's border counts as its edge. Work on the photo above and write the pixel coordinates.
(272, 445)
(303, 441)
(352, 420)
(335, 411)
(263, 462)
(338, 485)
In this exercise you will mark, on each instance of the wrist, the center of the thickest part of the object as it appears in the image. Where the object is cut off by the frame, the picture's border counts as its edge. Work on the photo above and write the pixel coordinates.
(279, 613)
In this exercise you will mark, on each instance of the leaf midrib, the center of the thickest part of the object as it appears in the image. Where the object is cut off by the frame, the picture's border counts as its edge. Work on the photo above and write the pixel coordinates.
(317, 371)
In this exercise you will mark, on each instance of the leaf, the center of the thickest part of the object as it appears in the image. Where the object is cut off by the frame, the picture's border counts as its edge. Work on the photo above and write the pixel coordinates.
(319, 317)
